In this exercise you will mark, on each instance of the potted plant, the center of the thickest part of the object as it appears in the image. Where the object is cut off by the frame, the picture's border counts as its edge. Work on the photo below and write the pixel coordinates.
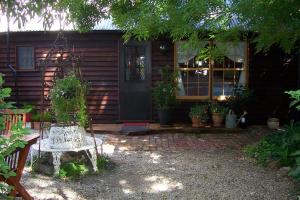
(199, 115)
(36, 119)
(70, 112)
(164, 95)
(218, 113)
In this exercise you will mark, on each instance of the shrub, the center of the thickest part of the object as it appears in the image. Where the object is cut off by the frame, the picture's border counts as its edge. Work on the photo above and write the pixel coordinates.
(68, 101)
(8, 144)
(73, 170)
(164, 92)
(102, 162)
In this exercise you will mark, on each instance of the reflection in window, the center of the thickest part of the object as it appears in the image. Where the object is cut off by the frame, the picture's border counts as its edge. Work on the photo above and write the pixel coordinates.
(196, 76)
(135, 63)
(25, 57)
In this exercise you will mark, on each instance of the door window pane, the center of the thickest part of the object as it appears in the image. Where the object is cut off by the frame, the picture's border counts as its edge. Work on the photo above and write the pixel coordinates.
(25, 57)
(135, 63)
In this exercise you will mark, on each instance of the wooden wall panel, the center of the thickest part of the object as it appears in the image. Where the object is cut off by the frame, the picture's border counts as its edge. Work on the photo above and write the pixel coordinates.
(270, 74)
(99, 64)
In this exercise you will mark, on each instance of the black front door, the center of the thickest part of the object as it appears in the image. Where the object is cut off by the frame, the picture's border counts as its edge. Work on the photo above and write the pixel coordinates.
(135, 90)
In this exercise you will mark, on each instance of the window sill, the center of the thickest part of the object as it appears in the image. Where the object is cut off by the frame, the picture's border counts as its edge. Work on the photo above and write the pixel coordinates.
(27, 70)
(201, 98)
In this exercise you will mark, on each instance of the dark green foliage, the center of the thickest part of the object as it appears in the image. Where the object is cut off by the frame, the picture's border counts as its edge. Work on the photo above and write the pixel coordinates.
(200, 111)
(164, 92)
(283, 146)
(217, 107)
(275, 22)
(295, 96)
(37, 117)
(77, 169)
(8, 144)
(269, 148)
(73, 170)
(68, 101)
(102, 162)
(240, 100)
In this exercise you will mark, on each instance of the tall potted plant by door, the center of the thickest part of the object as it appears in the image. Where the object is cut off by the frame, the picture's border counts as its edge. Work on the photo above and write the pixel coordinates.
(69, 107)
(164, 95)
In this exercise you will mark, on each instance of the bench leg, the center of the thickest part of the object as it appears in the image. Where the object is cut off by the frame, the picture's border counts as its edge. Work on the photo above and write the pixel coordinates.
(92, 155)
(20, 189)
(56, 161)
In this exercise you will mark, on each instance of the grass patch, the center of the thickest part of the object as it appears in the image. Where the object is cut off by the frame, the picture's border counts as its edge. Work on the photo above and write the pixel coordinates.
(77, 169)
(73, 170)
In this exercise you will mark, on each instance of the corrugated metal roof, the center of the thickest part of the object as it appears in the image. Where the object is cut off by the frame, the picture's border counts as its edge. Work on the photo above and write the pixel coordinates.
(37, 25)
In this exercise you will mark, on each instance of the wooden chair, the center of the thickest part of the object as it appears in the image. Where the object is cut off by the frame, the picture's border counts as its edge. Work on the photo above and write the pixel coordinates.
(17, 159)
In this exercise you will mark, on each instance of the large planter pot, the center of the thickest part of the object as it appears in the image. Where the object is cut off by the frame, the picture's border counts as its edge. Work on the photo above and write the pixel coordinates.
(195, 122)
(217, 119)
(273, 123)
(230, 121)
(66, 137)
(36, 125)
(165, 117)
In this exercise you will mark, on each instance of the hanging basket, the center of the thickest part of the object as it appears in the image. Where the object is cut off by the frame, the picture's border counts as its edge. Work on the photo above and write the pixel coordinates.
(67, 137)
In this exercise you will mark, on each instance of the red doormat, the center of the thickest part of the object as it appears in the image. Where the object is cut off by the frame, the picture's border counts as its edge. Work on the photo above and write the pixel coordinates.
(129, 127)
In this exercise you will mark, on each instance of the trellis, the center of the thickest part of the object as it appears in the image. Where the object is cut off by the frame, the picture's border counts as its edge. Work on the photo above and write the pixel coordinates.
(59, 61)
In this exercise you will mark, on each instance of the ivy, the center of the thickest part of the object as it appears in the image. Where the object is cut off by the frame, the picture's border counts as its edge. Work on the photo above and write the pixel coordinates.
(68, 101)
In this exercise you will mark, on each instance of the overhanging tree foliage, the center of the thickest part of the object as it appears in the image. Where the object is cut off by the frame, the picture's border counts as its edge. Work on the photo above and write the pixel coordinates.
(84, 14)
(275, 22)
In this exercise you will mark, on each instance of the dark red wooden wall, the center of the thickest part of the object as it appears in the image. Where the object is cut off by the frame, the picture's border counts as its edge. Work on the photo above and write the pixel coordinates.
(99, 65)
(271, 73)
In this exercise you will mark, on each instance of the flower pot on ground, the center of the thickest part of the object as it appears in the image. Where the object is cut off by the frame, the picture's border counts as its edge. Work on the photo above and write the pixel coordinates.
(217, 114)
(273, 123)
(199, 115)
(37, 118)
(164, 96)
(165, 117)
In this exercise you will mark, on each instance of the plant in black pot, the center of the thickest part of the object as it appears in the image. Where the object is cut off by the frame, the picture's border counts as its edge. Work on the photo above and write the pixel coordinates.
(164, 95)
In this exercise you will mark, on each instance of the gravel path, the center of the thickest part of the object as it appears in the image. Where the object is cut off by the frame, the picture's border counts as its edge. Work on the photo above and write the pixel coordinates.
(188, 174)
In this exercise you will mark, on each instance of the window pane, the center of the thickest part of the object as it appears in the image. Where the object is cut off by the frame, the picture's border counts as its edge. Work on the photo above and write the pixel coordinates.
(193, 83)
(223, 83)
(187, 56)
(240, 78)
(25, 57)
(135, 63)
(228, 82)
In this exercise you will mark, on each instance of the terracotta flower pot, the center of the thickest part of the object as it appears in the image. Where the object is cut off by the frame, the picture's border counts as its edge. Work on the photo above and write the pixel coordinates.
(36, 125)
(195, 122)
(217, 119)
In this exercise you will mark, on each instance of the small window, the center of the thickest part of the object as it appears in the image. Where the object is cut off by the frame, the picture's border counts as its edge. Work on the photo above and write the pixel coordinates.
(25, 57)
